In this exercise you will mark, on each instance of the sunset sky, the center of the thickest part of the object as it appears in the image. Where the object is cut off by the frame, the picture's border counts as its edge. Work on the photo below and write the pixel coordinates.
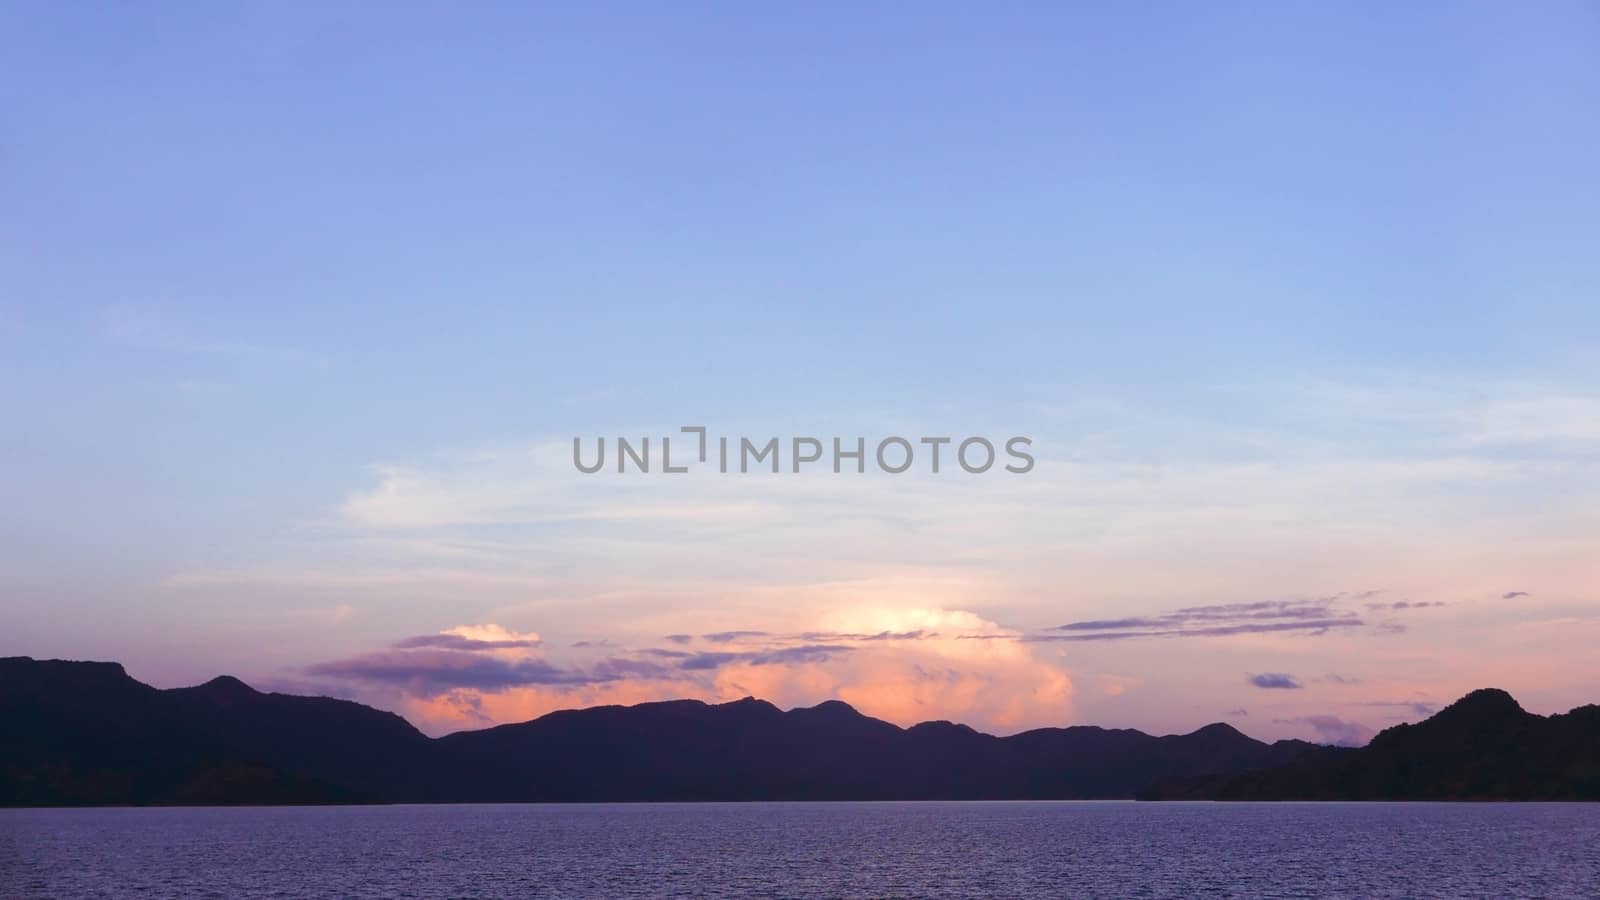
(301, 310)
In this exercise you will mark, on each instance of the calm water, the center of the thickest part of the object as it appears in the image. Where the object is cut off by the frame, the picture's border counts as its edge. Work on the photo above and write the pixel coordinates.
(809, 850)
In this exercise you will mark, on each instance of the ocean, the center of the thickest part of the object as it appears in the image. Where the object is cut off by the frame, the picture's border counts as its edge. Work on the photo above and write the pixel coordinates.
(832, 850)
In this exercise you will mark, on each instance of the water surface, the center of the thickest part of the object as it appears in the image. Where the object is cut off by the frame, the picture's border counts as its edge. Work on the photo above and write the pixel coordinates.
(809, 850)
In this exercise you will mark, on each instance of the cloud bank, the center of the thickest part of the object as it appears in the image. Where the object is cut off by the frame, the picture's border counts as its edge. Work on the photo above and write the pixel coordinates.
(902, 664)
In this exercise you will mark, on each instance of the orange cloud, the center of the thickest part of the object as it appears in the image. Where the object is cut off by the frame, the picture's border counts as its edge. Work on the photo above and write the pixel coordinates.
(905, 665)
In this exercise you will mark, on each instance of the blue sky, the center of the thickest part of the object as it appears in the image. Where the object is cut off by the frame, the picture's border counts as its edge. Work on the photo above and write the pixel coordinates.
(282, 284)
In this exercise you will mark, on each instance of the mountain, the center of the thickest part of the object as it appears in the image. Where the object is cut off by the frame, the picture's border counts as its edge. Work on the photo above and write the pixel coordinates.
(751, 750)
(1482, 747)
(78, 733)
(87, 733)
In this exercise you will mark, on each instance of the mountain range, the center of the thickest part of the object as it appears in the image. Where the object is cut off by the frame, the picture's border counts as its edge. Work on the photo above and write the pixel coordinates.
(1482, 747)
(86, 733)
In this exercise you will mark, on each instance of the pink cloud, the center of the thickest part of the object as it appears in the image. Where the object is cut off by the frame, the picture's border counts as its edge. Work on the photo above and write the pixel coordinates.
(905, 665)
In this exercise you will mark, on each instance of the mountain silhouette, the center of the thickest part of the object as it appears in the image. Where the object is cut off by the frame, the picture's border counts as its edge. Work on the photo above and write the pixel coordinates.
(85, 733)
(1482, 747)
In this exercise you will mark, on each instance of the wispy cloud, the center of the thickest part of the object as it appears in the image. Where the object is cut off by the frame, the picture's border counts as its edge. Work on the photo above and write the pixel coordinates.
(429, 672)
(458, 642)
(732, 637)
(462, 658)
(724, 637)
(1399, 605)
(1416, 708)
(803, 653)
(1332, 729)
(1275, 681)
(1261, 617)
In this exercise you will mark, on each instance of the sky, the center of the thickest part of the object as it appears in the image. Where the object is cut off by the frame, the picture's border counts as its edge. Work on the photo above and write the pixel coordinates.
(303, 305)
